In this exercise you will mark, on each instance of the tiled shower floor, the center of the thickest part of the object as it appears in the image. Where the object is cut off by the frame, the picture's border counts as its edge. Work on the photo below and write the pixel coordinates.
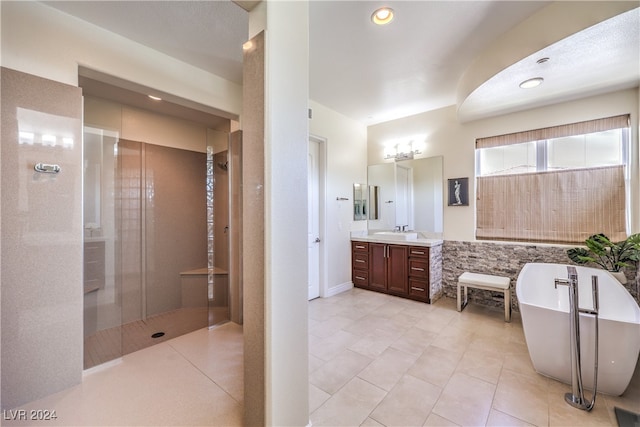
(109, 344)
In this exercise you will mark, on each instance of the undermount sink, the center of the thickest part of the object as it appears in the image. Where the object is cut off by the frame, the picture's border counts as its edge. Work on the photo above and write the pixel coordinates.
(397, 235)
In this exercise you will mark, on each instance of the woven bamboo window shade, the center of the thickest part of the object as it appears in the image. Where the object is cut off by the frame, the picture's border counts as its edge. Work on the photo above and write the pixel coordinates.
(580, 128)
(565, 206)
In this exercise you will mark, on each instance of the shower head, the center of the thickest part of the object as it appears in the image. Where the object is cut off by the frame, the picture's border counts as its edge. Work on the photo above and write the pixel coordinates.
(224, 166)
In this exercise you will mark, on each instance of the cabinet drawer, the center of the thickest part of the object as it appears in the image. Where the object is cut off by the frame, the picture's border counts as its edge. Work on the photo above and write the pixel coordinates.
(418, 252)
(419, 289)
(360, 261)
(418, 268)
(94, 251)
(93, 269)
(360, 247)
(360, 278)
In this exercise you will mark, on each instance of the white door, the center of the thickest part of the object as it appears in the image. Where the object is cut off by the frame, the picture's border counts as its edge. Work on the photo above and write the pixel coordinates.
(313, 236)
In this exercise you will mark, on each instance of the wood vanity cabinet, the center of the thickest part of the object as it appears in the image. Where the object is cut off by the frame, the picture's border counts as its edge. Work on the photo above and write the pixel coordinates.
(360, 264)
(388, 268)
(400, 270)
(419, 273)
(94, 266)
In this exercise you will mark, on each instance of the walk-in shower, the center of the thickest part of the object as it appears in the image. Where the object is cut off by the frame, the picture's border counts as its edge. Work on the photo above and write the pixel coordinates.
(157, 229)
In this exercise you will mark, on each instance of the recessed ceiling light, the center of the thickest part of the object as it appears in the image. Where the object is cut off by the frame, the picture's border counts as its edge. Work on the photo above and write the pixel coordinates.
(531, 83)
(382, 16)
(155, 98)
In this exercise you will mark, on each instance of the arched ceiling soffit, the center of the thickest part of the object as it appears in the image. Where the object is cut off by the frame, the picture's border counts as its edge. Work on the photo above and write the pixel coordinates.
(592, 48)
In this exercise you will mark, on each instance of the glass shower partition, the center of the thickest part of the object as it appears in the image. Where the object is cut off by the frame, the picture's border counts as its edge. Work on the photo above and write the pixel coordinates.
(102, 289)
(162, 237)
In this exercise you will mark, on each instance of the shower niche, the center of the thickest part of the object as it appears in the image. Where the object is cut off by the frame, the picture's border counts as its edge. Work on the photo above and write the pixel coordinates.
(159, 228)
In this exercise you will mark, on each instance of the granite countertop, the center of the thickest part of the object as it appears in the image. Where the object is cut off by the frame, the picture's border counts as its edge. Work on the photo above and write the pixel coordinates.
(421, 240)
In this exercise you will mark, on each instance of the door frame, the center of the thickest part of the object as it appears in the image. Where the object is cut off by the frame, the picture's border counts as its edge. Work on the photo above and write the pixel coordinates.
(322, 208)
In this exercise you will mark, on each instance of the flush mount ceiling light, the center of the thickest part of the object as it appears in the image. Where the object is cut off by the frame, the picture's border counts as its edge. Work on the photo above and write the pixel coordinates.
(382, 16)
(531, 83)
(155, 98)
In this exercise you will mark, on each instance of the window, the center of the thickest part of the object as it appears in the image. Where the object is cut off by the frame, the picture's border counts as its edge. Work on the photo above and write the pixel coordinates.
(559, 184)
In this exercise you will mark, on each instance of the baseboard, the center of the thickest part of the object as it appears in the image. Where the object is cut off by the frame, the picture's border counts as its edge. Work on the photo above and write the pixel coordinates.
(101, 367)
(343, 287)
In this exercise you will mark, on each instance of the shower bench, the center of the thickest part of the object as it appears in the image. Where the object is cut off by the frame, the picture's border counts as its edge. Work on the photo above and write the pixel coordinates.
(486, 282)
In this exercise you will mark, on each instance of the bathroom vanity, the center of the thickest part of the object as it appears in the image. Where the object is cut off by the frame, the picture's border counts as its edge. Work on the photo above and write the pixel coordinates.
(94, 264)
(400, 264)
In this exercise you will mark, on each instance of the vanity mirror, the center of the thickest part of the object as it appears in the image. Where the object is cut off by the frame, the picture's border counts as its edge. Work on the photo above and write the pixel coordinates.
(407, 193)
(359, 202)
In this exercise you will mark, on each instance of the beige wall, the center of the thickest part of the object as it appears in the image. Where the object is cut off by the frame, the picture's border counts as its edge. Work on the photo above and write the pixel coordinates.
(137, 124)
(345, 145)
(447, 137)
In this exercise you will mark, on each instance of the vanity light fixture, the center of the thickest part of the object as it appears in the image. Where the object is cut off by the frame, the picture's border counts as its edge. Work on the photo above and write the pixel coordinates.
(401, 151)
(382, 16)
(531, 83)
(155, 98)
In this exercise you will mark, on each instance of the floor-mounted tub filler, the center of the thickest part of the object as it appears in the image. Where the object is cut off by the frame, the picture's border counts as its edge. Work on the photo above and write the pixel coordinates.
(545, 311)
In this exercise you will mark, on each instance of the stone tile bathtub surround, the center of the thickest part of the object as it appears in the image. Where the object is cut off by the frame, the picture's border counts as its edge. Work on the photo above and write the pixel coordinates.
(502, 259)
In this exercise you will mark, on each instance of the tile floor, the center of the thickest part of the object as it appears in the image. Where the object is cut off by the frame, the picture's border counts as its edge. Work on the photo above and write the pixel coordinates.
(374, 360)
(380, 360)
(195, 379)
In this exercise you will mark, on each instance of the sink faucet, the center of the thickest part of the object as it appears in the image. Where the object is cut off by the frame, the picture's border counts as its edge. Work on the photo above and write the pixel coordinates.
(396, 228)
(404, 227)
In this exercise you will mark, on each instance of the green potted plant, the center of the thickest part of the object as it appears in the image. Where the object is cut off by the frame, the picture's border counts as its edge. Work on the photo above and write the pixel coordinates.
(611, 256)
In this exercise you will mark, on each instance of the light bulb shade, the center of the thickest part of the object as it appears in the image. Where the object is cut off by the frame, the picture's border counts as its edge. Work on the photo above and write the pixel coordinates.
(401, 151)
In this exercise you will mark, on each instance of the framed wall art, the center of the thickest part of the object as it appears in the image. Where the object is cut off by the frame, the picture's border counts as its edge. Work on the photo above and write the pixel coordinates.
(458, 191)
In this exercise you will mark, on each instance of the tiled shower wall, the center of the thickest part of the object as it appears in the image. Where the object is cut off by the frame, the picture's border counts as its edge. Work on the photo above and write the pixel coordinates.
(502, 259)
(41, 238)
(161, 221)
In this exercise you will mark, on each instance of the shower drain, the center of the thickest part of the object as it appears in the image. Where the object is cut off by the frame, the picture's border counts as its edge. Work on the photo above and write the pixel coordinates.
(157, 335)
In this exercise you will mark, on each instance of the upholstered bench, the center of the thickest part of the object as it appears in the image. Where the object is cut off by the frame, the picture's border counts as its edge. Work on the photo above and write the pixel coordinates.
(485, 282)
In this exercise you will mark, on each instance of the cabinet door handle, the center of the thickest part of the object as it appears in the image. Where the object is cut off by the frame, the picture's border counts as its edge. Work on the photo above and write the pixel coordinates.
(359, 247)
(418, 252)
(417, 269)
(359, 278)
(413, 288)
(360, 260)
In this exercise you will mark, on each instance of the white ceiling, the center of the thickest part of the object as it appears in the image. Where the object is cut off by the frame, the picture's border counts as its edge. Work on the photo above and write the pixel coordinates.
(372, 73)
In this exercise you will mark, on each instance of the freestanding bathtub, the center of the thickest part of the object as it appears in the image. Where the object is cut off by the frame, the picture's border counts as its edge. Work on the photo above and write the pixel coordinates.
(545, 319)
